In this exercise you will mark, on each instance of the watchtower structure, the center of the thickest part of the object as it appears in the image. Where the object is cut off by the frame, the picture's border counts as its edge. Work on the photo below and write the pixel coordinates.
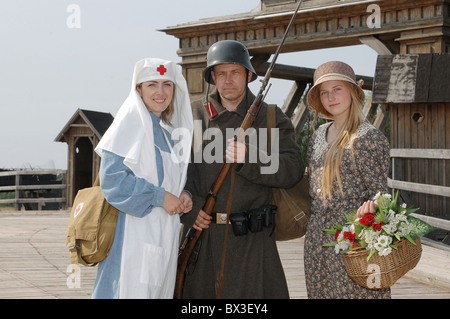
(82, 133)
(397, 30)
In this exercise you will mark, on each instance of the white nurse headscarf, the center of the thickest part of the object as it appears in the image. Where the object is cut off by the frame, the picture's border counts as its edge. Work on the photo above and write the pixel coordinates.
(131, 133)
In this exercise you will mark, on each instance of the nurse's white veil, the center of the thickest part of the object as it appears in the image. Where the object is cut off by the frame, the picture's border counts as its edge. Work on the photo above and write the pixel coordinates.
(131, 133)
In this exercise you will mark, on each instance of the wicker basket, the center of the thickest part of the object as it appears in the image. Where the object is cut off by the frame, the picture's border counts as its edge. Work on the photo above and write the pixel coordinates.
(382, 271)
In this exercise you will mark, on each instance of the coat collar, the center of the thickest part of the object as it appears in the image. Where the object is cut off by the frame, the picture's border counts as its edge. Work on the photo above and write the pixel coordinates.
(241, 109)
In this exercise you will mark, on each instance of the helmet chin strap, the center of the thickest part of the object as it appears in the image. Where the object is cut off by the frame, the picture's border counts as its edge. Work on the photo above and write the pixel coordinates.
(207, 92)
(246, 87)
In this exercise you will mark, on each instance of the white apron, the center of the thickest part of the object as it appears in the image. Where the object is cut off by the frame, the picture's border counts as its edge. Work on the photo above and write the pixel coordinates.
(150, 244)
(150, 247)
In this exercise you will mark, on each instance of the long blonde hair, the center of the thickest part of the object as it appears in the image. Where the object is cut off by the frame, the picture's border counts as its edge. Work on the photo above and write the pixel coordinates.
(331, 169)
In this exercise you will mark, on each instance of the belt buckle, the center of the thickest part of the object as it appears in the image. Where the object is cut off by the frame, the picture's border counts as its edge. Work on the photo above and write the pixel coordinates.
(221, 218)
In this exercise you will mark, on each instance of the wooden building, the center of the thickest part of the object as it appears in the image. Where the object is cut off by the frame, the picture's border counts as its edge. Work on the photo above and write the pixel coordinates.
(82, 134)
(398, 29)
(416, 87)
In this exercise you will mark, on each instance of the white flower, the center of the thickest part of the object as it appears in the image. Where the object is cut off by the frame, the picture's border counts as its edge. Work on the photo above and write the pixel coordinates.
(376, 197)
(378, 246)
(382, 201)
(385, 251)
(352, 228)
(401, 217)
(390, 228)
(343, 245)
(369, 236)
(384, 240)
(403, 205)
(404, 229)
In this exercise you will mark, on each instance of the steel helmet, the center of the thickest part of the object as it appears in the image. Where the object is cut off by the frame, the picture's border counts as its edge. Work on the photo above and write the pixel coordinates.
(227, 51)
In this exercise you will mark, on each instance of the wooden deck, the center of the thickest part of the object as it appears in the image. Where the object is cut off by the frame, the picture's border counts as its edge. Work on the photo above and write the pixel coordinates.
(34, 263)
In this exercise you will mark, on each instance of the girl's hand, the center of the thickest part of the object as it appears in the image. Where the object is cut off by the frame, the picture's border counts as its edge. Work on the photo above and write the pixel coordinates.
(367, 207)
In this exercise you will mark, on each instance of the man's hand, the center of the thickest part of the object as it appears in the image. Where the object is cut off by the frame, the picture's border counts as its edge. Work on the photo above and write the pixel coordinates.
(235, 152)
(202, 222)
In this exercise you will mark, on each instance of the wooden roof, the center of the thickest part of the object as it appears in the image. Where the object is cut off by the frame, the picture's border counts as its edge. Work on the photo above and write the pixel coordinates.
(412, 78)
(319, 24)
(96, 122)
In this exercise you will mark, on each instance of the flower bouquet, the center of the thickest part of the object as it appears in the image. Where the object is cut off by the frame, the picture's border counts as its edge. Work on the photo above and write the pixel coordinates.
(382, 246)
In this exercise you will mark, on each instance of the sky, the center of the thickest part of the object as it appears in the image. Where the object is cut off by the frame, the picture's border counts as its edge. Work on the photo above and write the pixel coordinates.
(60, 55)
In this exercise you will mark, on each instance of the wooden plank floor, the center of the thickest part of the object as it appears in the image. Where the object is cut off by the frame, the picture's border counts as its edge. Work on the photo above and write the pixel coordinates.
(34, 263)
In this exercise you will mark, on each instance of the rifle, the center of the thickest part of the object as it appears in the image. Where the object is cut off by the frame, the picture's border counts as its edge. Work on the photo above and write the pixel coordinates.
(192, 235)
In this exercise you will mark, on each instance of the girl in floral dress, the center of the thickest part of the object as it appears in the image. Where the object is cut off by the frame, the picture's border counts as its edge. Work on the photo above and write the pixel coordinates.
(348, 165)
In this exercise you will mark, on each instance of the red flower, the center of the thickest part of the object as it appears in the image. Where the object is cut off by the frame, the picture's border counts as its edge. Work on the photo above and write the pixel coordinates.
(336, 234)
(368, 219)
(377, 227)
(350, 236)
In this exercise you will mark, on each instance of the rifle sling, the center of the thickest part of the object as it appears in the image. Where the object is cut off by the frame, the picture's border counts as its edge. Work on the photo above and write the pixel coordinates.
(229, 204)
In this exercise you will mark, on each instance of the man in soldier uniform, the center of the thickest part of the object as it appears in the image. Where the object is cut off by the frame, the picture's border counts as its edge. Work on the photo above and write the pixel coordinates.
(251, 265)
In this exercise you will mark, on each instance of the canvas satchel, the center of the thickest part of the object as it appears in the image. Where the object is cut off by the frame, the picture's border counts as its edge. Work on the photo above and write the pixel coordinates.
(92, 226)
(293, 204)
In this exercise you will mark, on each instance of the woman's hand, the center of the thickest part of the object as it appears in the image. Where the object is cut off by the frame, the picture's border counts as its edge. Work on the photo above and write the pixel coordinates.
(187, 202)
(172, 204)
(367, 207)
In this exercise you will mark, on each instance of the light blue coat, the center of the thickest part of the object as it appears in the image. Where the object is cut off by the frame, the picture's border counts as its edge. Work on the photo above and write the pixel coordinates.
(130, 195)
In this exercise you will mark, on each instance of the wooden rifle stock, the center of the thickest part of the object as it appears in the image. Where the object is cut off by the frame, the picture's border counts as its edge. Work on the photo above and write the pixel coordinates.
(192, 236)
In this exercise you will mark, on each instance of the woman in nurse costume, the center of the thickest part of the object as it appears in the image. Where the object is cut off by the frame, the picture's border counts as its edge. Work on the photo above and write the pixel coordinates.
(144, 158)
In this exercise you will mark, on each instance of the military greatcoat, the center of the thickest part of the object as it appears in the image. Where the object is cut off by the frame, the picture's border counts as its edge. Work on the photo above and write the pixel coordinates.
(252, 265)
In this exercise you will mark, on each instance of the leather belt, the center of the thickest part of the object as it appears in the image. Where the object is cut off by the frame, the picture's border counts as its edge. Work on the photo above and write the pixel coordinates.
(219, 218)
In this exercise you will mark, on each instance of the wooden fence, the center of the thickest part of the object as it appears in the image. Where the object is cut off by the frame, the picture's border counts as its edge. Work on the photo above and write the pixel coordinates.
(431, 154)
(34, 188)
(441, 154)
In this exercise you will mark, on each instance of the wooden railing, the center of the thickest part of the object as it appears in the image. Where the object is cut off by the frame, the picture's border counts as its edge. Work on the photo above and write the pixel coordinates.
(431, 154)
(443, 154)
(28, 182)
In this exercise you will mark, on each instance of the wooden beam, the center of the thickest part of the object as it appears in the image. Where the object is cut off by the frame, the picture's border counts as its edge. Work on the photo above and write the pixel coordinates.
(300, 118)
(368, 108)
(377, 45)
(34, 172)
(420, 153)
(295, 73)
(32, 187)
(420, 188)
(259, 59)
(293, 98)
(382, 117)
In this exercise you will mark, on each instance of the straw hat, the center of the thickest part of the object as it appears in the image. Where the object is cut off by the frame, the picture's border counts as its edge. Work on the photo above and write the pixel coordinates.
(329, 71)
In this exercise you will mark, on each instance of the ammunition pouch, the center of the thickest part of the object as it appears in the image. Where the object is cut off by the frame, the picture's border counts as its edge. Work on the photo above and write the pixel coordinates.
(253, 220)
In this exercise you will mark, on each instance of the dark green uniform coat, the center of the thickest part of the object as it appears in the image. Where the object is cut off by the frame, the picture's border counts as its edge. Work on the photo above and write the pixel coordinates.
(252, 264)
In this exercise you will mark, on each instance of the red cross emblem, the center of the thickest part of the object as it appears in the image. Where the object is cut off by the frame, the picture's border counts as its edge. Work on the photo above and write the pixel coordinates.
(78, 209)
(161, 69)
